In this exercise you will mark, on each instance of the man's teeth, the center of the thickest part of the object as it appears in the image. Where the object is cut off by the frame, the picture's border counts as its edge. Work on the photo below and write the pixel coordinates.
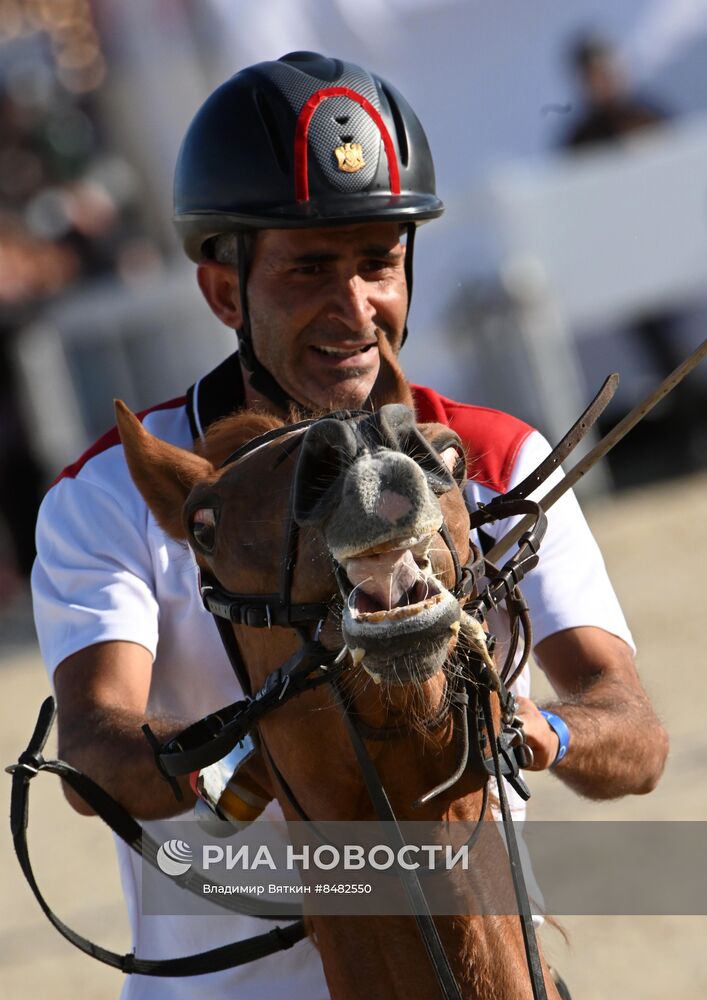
(339, 352)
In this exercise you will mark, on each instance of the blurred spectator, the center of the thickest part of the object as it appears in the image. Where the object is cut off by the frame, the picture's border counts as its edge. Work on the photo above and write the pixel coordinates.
(68, 214)
(611, 110)
(612, 113)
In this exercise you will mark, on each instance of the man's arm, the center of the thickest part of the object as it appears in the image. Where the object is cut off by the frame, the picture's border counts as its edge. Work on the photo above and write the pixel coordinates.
(617, 744)
(102, 697)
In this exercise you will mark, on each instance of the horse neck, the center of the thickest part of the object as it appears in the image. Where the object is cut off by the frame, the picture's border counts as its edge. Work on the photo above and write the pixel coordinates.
(386, 954)
(486, 953)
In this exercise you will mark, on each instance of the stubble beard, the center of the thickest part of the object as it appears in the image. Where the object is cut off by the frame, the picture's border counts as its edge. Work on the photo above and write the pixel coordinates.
(342, 399)
(335, 395)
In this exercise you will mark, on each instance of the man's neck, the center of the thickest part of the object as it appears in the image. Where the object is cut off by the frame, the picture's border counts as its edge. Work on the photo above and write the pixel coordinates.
(258, 401)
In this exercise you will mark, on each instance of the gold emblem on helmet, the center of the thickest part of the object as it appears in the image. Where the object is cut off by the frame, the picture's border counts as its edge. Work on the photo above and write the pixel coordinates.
(349, 157)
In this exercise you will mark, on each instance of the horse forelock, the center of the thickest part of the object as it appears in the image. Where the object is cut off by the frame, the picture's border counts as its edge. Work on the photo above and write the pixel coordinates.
(226, 435)
(229, 433)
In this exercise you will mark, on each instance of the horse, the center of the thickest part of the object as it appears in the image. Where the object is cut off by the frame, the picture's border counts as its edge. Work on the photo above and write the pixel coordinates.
(363, 516)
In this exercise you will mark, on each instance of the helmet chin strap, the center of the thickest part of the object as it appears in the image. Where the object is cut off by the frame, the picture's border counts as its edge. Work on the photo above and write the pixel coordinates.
(410, 230)
(260, 378)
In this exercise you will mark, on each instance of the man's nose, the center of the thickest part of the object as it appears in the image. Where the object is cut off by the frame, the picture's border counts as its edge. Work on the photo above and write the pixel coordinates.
(351, 304)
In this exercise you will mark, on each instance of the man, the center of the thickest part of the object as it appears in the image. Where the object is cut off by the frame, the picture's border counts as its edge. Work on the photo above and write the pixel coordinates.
(611, 112)
(297, 182)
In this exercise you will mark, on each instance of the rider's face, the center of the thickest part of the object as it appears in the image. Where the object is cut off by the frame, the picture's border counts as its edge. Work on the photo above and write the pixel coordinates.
(317, 299)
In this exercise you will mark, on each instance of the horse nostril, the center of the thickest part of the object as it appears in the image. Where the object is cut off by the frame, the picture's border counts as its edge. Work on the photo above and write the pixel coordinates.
(392, 507)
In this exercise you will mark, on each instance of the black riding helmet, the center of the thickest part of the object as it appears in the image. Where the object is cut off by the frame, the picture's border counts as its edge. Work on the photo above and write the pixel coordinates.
(302, 142)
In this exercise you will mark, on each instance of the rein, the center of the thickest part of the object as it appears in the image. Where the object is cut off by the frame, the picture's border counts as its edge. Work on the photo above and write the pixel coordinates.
(212, 738)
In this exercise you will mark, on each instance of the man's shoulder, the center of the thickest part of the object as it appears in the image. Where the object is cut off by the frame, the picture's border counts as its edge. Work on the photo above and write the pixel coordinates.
(493, 439)
(166, 420)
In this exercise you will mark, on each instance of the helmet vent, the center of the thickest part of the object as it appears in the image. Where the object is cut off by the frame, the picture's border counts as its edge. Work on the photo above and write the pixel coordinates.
(399, 126)
(341, 119)
(272, 129)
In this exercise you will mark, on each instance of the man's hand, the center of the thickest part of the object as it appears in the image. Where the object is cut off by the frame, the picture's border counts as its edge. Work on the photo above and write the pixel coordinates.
(540, 737)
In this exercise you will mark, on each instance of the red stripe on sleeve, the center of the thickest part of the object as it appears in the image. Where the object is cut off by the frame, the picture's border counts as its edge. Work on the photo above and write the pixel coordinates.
(110, 439)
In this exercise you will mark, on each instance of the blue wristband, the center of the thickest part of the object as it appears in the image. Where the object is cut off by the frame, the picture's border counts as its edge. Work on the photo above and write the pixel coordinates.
(560, 727)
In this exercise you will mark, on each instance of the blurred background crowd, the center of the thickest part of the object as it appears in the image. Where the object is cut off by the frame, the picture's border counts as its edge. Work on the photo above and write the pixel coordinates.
(571, 150)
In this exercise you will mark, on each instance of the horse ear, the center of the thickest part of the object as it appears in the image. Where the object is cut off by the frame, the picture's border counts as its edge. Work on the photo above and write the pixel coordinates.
(164, 474)
(390, 386)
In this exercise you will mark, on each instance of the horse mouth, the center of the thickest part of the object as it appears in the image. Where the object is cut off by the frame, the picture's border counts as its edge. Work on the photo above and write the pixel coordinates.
(398, 617)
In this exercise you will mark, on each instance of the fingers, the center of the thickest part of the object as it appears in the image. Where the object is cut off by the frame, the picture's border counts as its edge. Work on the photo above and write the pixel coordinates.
(539, 736)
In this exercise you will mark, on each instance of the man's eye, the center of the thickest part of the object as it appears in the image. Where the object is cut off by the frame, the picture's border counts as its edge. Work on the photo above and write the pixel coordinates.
(372, 266)
(203, 528)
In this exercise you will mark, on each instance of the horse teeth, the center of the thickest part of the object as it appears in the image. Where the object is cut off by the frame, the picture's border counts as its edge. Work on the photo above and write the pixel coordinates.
(376, 678)
(357, 655)
(454, 627)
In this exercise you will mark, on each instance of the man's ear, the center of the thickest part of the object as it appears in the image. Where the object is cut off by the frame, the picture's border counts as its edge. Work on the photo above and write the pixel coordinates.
(219, 286)
(164, 474)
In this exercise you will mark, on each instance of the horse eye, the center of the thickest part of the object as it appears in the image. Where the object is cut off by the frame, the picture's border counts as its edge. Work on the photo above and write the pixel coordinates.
(203, 528)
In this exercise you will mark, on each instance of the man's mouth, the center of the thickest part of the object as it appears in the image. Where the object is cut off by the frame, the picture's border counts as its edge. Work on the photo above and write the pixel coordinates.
(342, 352)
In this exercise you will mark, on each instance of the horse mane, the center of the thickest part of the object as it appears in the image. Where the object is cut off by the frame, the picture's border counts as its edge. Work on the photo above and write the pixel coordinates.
(224, 436)
(229, 433)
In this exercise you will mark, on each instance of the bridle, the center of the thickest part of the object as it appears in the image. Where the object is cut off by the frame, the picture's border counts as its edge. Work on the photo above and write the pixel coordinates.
(210, 739)
(277, 609)
(313, 665)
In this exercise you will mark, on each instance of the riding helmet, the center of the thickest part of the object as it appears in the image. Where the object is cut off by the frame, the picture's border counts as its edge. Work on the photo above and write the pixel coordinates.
(305, 141)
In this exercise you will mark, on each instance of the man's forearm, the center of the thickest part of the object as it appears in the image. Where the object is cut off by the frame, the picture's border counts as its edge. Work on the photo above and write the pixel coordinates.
(110, 747)
(617, 744)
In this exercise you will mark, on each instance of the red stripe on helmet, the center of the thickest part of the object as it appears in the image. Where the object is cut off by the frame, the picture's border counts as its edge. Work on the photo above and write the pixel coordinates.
(303, 122)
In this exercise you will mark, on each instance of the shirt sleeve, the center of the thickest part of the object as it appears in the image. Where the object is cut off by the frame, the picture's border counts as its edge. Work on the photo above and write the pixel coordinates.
(570, 586)
(93, 579)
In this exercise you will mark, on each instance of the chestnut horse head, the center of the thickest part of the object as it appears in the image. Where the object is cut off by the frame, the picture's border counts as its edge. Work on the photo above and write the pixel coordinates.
(362, 513)
(362, 517)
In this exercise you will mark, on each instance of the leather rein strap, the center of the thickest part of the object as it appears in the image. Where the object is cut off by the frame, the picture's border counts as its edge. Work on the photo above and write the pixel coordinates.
(29, 764)
(410, 880)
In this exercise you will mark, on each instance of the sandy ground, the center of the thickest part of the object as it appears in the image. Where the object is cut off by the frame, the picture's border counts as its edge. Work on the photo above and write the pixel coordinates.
(656, 547)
